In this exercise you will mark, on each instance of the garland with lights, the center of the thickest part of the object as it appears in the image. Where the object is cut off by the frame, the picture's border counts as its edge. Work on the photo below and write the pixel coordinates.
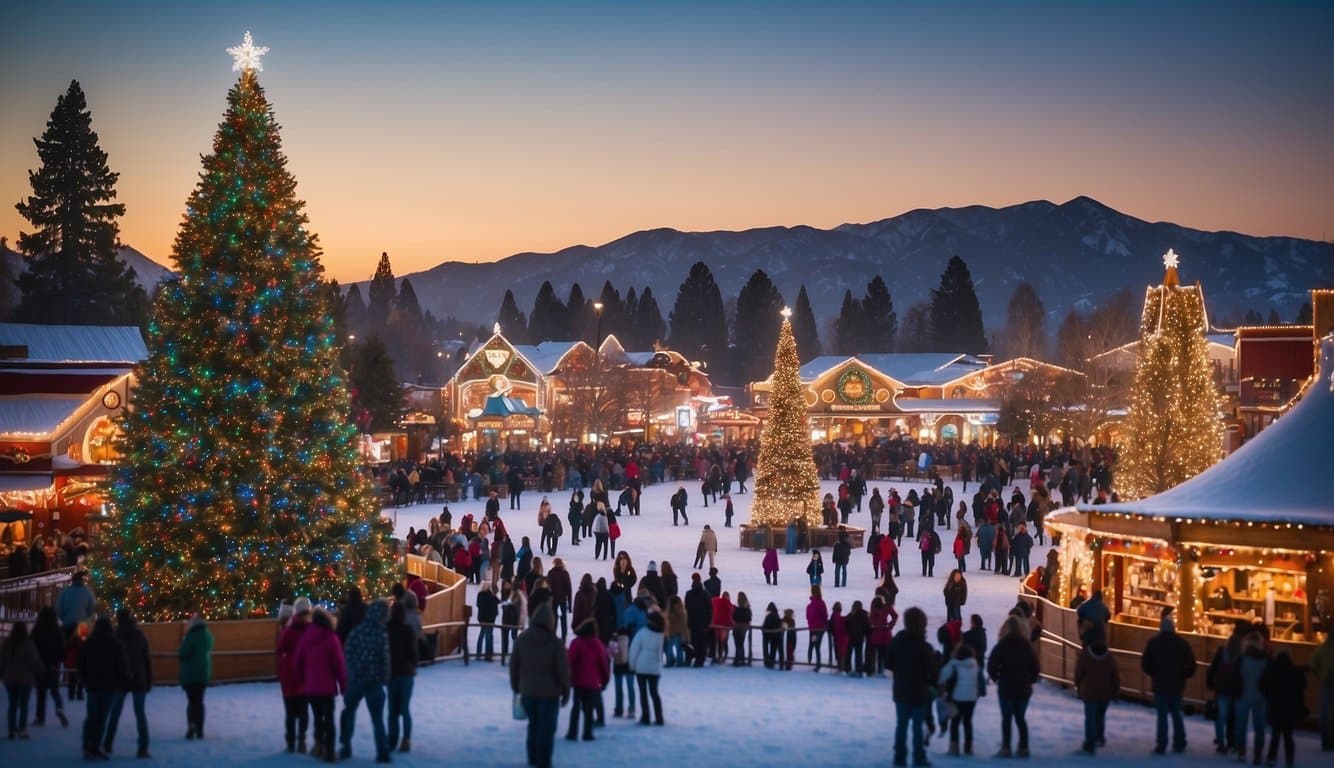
(787, 484)
(241, 484)
(1176, 427)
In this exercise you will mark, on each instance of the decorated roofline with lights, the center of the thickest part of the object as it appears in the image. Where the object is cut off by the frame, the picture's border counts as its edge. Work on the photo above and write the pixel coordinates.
(1249, 540)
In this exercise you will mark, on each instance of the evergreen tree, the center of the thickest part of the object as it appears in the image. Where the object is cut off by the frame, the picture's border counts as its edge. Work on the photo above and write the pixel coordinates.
(74, 274)
(787, 485)
(1253, 317)
(547, 320)
(354, 308)
(804, 328)
(880, 322)
(758, 316)
(241, 482)
(613, 312)
(915, 334)
(628, 332)
(1305, 315)
(512, 321)
(699, 323)
(848, 327)
(652, 330)
(1274, 318)
(1025, 323)
(956, 317)
(377, 397)
(1175, 428)
(382, 294)
(579, 321)
(407, 301)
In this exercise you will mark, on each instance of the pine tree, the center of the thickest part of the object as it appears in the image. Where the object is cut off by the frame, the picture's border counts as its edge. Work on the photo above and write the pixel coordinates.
(74, 274)
(699, 322)
(512, 321)
(879, 321)
(354, 309)
(758, 308)
(652, 330)
(787, 485)
(1305, 314)
(1273, 318)
(377, 397)
(613, 312)
(580, 325)
(1025, 323)
(956, 317)
(848, 327)
(628, 332)
(1175, 428)
(381, 296)
(547, 320)
(804, 328)
(915, 333)
(241, 483)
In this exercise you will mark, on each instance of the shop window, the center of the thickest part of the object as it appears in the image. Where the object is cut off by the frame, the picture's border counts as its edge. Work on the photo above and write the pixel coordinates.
(103, 442)
(949, 432)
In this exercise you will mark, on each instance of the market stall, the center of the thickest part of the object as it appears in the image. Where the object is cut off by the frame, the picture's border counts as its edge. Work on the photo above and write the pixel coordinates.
(1250, 540)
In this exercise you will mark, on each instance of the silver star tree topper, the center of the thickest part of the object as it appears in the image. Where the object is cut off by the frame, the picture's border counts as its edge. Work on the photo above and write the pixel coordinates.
(247, 54)
(1171, 259)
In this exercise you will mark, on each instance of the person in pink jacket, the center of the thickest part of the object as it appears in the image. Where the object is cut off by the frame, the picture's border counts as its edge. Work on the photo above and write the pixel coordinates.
(323, 675)
(817, 620)
(838, 630)
(590, 671)
(294, 701)
(770, 565)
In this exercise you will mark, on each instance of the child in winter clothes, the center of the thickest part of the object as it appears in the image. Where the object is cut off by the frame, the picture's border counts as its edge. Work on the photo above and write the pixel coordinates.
(790, 644)
(589, 674)
(72, 649)
(815, 568)
(959, 684)
(625, 678)
(770, 565)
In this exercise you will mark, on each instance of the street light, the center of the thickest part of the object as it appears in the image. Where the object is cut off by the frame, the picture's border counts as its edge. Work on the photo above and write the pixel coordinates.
(597, 373)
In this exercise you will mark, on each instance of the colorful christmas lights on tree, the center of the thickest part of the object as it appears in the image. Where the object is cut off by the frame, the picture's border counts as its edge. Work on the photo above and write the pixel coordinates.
(241, 482)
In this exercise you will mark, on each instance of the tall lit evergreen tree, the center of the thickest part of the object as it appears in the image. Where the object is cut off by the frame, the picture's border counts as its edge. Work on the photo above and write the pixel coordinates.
(956, 317)
(74, 274)
(241, 483)
(757, 320)
(699, 322)
(1176, 427)
(787, 484)
(804, 327)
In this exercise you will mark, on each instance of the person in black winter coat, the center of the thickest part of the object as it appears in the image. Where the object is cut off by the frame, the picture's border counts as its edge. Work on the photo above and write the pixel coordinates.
(1168, 661)
(1284, 687)
(50, 643)
(402, 672)
(840, 556)
(105, 673)
(913, 662)
(354, 610)
(699, 613)
(857, 624)
(139, 664)
(488, 611)
(773, 637)
(1014, 668)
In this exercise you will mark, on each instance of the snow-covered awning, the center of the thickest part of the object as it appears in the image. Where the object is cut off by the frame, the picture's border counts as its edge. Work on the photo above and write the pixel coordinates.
(1274, 478)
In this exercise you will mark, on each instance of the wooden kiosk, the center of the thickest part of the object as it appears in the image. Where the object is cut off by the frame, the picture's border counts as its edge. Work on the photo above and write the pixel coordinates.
(1249, 540)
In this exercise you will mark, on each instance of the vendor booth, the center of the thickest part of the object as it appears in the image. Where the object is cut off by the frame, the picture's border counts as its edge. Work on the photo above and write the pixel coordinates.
(1250, 540)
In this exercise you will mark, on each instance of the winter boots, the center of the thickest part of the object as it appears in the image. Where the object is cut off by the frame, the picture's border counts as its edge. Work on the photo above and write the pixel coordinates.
(954, 748)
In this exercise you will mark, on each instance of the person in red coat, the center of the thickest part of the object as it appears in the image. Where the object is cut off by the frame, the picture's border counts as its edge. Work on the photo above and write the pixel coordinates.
(590, 671)
(838, 629)
(319, 667)
(297, 717)
(889, 555)
(417, 586)
(722, 625)
(817, 621)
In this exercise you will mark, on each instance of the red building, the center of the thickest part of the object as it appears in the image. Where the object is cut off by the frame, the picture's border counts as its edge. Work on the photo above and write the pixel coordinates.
(1274, 364)
(61, 389)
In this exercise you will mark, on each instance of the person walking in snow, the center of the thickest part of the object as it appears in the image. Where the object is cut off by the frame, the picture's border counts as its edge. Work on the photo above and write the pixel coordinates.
(589, 674)
(1098, 682)
(540, 675)
(645, 660)
(913, 663)
(1014, 668)
(1169, 661)
(402, 675)
(196, 671)
(815, 568)
(959, 683)
(956, 596)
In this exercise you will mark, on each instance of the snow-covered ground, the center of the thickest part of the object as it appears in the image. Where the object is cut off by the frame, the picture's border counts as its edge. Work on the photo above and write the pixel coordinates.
(715, 716)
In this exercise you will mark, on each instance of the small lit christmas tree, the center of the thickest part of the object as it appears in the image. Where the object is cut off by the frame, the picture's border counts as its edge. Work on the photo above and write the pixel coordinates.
(787, 484)
(241, 481)
(1176, 426)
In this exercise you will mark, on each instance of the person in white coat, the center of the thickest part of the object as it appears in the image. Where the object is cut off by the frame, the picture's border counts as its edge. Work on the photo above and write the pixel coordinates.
(960, 678)
(645, 660)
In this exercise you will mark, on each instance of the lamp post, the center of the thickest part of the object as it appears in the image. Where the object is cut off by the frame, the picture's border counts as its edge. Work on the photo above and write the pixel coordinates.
(597, 373)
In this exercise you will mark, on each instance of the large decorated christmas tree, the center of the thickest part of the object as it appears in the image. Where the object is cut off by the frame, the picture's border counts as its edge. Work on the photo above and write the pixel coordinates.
(240, 484)
(1176, 426)
(787, 484)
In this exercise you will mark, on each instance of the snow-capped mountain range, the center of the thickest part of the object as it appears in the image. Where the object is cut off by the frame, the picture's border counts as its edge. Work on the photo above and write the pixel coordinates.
(1076, 253)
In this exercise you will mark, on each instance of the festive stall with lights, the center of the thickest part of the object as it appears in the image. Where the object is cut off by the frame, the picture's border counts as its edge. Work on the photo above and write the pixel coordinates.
(1250, 540)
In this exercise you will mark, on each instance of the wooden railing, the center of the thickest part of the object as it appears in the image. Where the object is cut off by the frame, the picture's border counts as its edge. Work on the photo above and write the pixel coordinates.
(21, 598)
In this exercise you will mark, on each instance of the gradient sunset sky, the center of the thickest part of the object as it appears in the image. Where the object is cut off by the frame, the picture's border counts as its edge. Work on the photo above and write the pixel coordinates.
(468, 132)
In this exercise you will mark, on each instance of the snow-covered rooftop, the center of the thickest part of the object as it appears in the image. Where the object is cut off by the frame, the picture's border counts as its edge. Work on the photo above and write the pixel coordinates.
(36, 415)
(918, 369)
(1273, 478)
(75, 343)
